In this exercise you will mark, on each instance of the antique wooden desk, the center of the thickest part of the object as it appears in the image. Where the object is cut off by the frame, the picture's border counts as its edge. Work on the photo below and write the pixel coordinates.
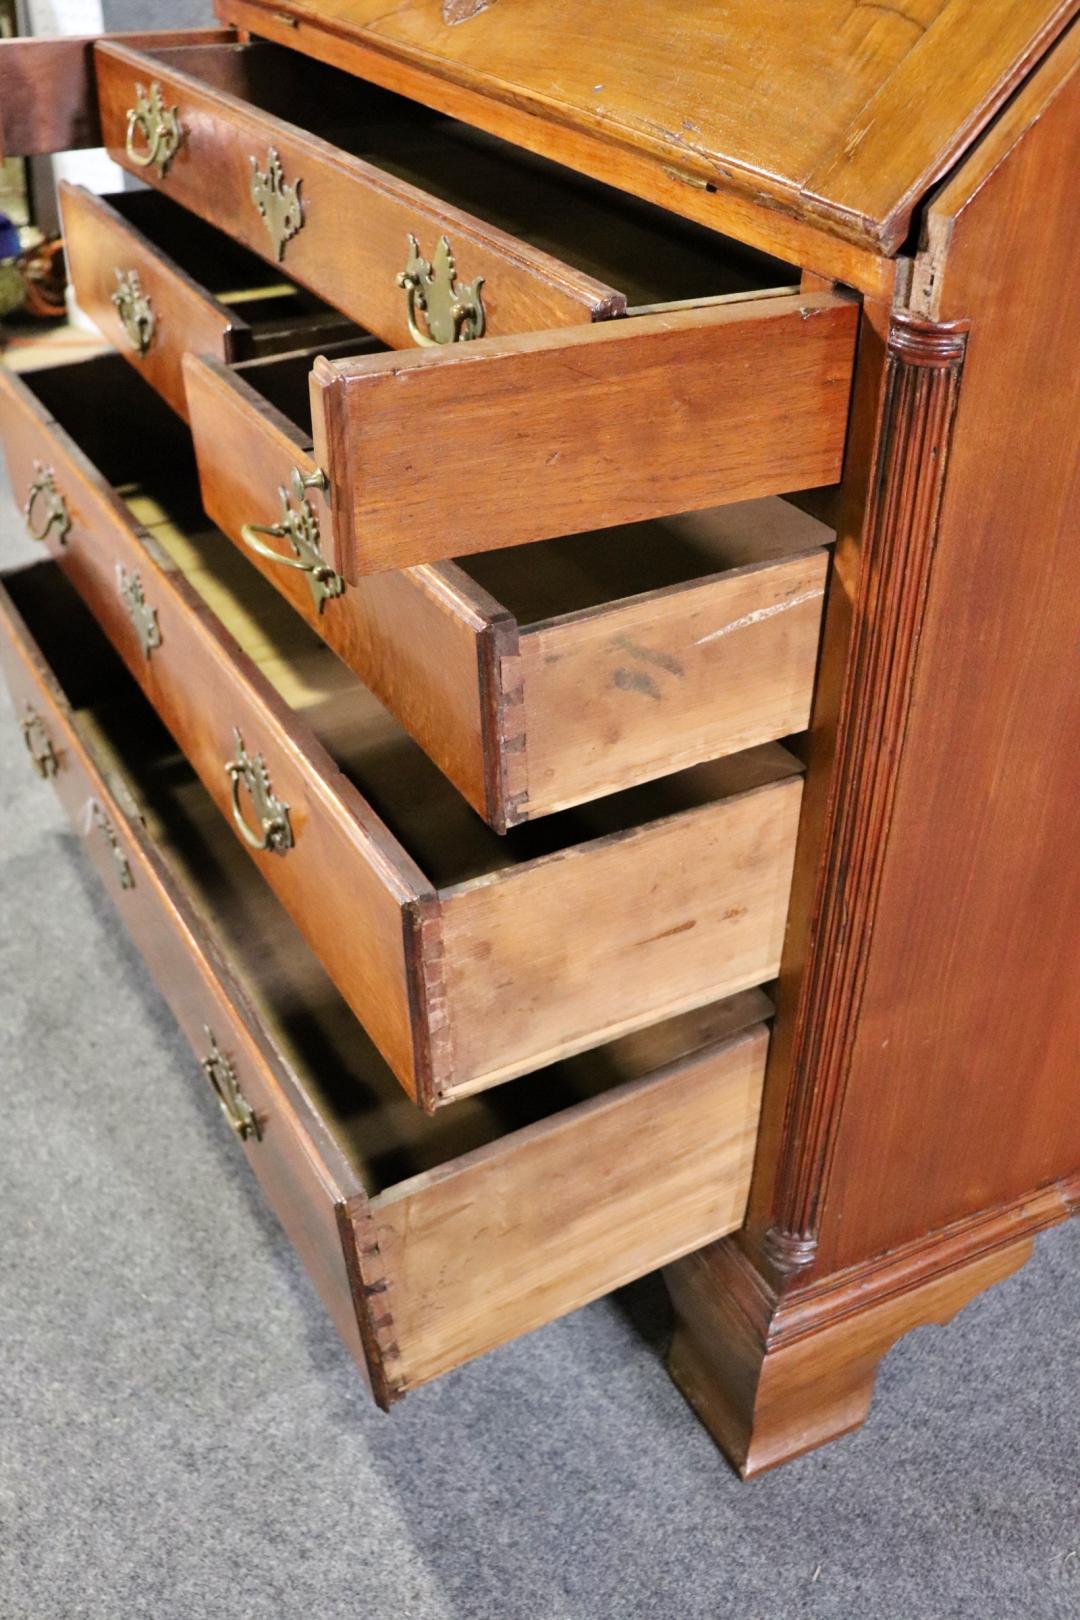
(558, 624)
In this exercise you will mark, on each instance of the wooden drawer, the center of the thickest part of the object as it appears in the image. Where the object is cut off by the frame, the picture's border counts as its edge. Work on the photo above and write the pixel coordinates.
(469, 958)
(430, 1241)
(157, 281)
(442, 452)
(378, 179)
(539, 677)
(48, 92)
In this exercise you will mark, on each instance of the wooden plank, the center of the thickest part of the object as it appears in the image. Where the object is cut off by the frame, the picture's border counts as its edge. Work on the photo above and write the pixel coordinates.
(99, 244)
(415, 638)
(635, 690)
(357, 218)
(832, 114)
(507, 1238)
(581, 429)
(48, 98)
(575, 948)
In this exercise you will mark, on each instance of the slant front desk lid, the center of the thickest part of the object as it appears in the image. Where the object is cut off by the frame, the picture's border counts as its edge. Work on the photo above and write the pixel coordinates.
(835, 114)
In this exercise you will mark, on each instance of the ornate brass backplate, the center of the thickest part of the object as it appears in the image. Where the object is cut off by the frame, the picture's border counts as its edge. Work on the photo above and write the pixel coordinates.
(141, 614)
(451, 312)
(134, 309)
(46, 500)
(39, 744)
(249, 771)
(98, 818)
(234, 1105)
(277, 201)
(299, 525)
(158, 128)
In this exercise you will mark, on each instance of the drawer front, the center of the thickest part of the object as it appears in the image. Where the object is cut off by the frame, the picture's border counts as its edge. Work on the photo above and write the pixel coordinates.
(444, 1266)
(297, 1165)
(209, 694)
(48, 94)
(441, 452)
(337, 224)
(149, 310)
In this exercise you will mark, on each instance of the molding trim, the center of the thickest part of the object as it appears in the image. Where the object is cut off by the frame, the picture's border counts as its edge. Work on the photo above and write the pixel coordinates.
(773, 1374)
(923, 366)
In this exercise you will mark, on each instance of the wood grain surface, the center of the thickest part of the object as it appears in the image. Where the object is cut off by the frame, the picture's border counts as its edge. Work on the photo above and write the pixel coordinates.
(826, 111)
(581, 429)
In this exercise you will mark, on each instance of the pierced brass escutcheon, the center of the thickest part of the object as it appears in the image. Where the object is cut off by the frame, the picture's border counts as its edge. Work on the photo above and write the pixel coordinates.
(249, 770)
(277, 201)
(299, 525)
(135, 311)
(452, 312)
(158, 126)
(141, 614)
(44, 497)
(39, 744)
(99, 819)
(234, 1105)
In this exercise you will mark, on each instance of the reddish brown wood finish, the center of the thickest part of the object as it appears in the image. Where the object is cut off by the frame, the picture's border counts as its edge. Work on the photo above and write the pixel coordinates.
(582, 428)
(99, 245)
(772, 123)
(48, 96)
(921, 1124)
(357, 218)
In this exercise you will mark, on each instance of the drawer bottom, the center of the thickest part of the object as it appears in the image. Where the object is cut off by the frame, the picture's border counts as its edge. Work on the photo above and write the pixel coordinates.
(430, 1239)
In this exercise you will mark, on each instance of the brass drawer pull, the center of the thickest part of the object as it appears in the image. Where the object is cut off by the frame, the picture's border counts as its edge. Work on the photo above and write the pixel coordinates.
(158, 126)
(139, 611)
(234, 1105)
(249, 771)
(299, 525)
(452, 312)
(277, 201)
(39, 744)
(44, 497)
(135, 311)
(98, 818)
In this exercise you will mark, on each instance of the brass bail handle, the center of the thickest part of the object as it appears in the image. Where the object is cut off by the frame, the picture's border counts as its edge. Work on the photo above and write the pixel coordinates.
(299, 525)
(157, 126)
(44, 497)
(39, 744)
(249, 771)
(221, 1074)
(135, 310)
(453, 311)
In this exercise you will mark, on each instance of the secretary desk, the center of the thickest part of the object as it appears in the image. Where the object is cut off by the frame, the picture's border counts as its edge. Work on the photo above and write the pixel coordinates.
(562, 642)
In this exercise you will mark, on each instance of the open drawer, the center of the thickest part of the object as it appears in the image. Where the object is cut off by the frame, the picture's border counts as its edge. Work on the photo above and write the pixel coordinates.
(469, 958)
(48, 92)
(535, 677)
(353, 190)
(157, 282)
(430, 1241)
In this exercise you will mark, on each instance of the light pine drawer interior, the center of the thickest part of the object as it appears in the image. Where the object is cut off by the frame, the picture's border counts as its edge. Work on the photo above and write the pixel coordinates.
(539, 677)
(550, 248)
(430, 1241)
(450, 943)
(158, 282)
